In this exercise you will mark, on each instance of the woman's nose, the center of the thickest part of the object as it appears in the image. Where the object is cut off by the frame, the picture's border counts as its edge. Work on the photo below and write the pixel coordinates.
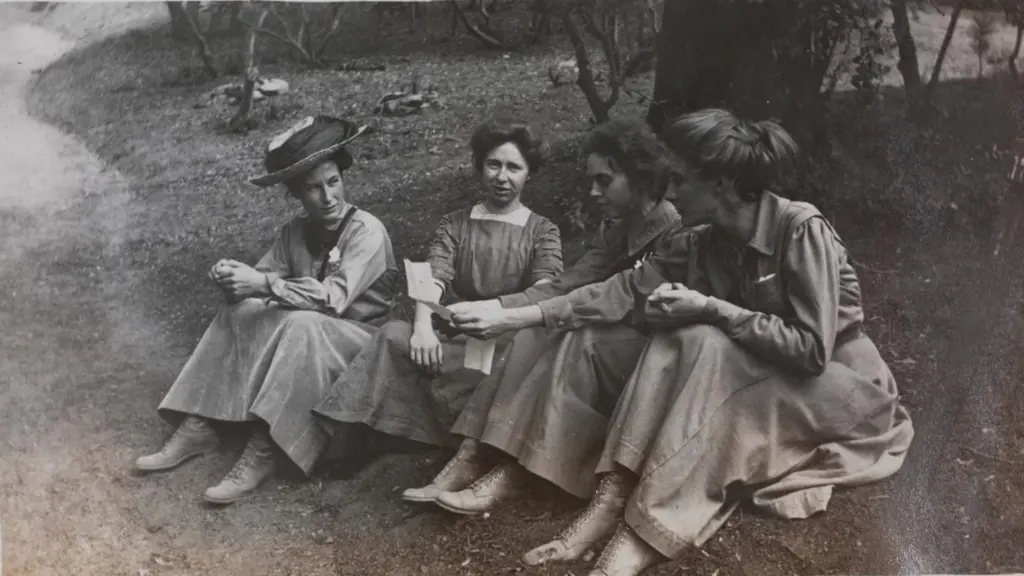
(595, 192)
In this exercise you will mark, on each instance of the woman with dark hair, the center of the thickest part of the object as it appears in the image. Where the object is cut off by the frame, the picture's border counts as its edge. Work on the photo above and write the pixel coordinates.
(293, 322)
(546, 410)
(410, 381)
(759, 383)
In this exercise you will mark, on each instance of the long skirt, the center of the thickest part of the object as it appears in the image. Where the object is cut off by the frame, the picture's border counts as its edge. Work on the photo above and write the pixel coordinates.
(263, 361)
(549, 407)
(705, 423)
(385, 390)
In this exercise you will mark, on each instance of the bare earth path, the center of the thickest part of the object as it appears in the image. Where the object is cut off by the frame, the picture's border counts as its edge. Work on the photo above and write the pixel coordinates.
(84, 361)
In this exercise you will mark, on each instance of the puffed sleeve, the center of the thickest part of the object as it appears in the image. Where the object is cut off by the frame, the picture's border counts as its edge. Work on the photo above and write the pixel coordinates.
(362, 260)
(591, 267)
(811, 273)
(547, 252)
(443, 251)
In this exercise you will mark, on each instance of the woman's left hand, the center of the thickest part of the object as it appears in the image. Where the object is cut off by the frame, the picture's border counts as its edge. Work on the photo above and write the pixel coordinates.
(678, 302)
(484, 322)
(244, 281)
(470, 307)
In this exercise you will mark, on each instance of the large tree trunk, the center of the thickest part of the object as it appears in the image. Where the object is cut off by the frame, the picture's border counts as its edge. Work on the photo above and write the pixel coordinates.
(908, 64)
(695, 59)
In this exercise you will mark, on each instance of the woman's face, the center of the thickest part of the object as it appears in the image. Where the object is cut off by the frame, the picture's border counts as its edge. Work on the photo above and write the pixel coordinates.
(321, 191)
(695, 196)
(609, 187)
(503, 175)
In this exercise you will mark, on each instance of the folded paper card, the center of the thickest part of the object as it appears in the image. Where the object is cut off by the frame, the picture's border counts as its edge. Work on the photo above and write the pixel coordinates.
(479, 355)
(422, 288)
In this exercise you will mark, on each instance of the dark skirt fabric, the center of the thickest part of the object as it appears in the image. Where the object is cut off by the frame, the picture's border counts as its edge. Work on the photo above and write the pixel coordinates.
(385, 390)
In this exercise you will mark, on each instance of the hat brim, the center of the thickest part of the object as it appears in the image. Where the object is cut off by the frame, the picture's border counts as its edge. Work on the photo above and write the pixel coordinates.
(305, 164)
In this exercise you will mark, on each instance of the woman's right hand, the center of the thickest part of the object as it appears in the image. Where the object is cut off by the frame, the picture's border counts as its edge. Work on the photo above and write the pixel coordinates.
(425, 351)
(222, 271)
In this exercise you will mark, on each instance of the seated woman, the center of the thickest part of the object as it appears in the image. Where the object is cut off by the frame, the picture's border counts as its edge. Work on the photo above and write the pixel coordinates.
(760, 383)
(293, 322)
(410, 381)
(546, 409)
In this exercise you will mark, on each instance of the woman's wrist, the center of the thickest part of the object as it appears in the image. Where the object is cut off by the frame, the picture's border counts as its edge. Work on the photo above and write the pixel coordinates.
(266, 288)
(524, 317)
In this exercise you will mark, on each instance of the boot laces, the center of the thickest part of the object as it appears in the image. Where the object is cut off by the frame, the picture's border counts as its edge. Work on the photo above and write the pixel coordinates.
(612, 550)
(463, 456)
(250, 456)
(495, 475)
(604, 489)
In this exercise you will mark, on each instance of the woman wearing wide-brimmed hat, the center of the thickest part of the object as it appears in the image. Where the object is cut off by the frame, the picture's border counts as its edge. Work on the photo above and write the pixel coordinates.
(293, 322)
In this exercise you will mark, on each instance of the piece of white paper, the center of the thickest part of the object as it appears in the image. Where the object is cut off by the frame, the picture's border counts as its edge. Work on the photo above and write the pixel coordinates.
(422, 288)
(420, 280)
(479, 355)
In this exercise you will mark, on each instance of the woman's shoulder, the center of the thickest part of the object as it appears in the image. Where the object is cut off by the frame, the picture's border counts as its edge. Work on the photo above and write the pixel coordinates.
(540, 222)
(368, 221)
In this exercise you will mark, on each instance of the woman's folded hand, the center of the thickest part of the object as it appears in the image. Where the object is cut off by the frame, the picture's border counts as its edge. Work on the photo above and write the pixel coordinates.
(678, 303)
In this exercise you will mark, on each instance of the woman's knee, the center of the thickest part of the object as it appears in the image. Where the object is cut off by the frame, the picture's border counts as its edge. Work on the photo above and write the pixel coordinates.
(302, 320)
(699, 335)
(396, 334)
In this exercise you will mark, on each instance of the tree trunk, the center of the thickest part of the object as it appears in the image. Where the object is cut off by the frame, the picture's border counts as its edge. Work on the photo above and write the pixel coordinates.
(697, 55)
(179, 20)
(240, 123)
(908, 64)
(1016, 50)
(585, 77)
(204, 48)
(950, 30)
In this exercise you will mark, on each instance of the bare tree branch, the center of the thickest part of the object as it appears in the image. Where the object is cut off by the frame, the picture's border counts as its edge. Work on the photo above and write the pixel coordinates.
(476, 32)
(301, 37)
(335, 23)
(241, 120)
(204, 47)
(937, 69)
(288, 40)
(585, 79)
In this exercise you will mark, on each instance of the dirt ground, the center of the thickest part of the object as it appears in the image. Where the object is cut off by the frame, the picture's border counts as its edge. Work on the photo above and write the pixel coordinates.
(116, 193)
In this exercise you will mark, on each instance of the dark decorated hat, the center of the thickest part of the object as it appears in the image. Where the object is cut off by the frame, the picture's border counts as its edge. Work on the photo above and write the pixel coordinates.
(304, 145)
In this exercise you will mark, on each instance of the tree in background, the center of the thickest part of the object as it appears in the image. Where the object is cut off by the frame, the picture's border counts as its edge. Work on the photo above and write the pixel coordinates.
(778, 59)
(626, 34)
(983, 26)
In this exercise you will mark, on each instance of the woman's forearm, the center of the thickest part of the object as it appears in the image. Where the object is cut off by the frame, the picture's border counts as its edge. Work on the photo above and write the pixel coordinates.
(525, 317)
(421, 319)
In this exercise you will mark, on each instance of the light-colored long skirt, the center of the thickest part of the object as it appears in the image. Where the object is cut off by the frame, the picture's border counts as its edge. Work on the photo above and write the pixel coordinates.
(705, 423)
(549, 407)
(385, 390)
(263, 361)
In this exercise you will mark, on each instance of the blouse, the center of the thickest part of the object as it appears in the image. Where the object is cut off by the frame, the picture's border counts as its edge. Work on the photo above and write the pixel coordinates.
(477, 255)
(360, 275)
(790, 294)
